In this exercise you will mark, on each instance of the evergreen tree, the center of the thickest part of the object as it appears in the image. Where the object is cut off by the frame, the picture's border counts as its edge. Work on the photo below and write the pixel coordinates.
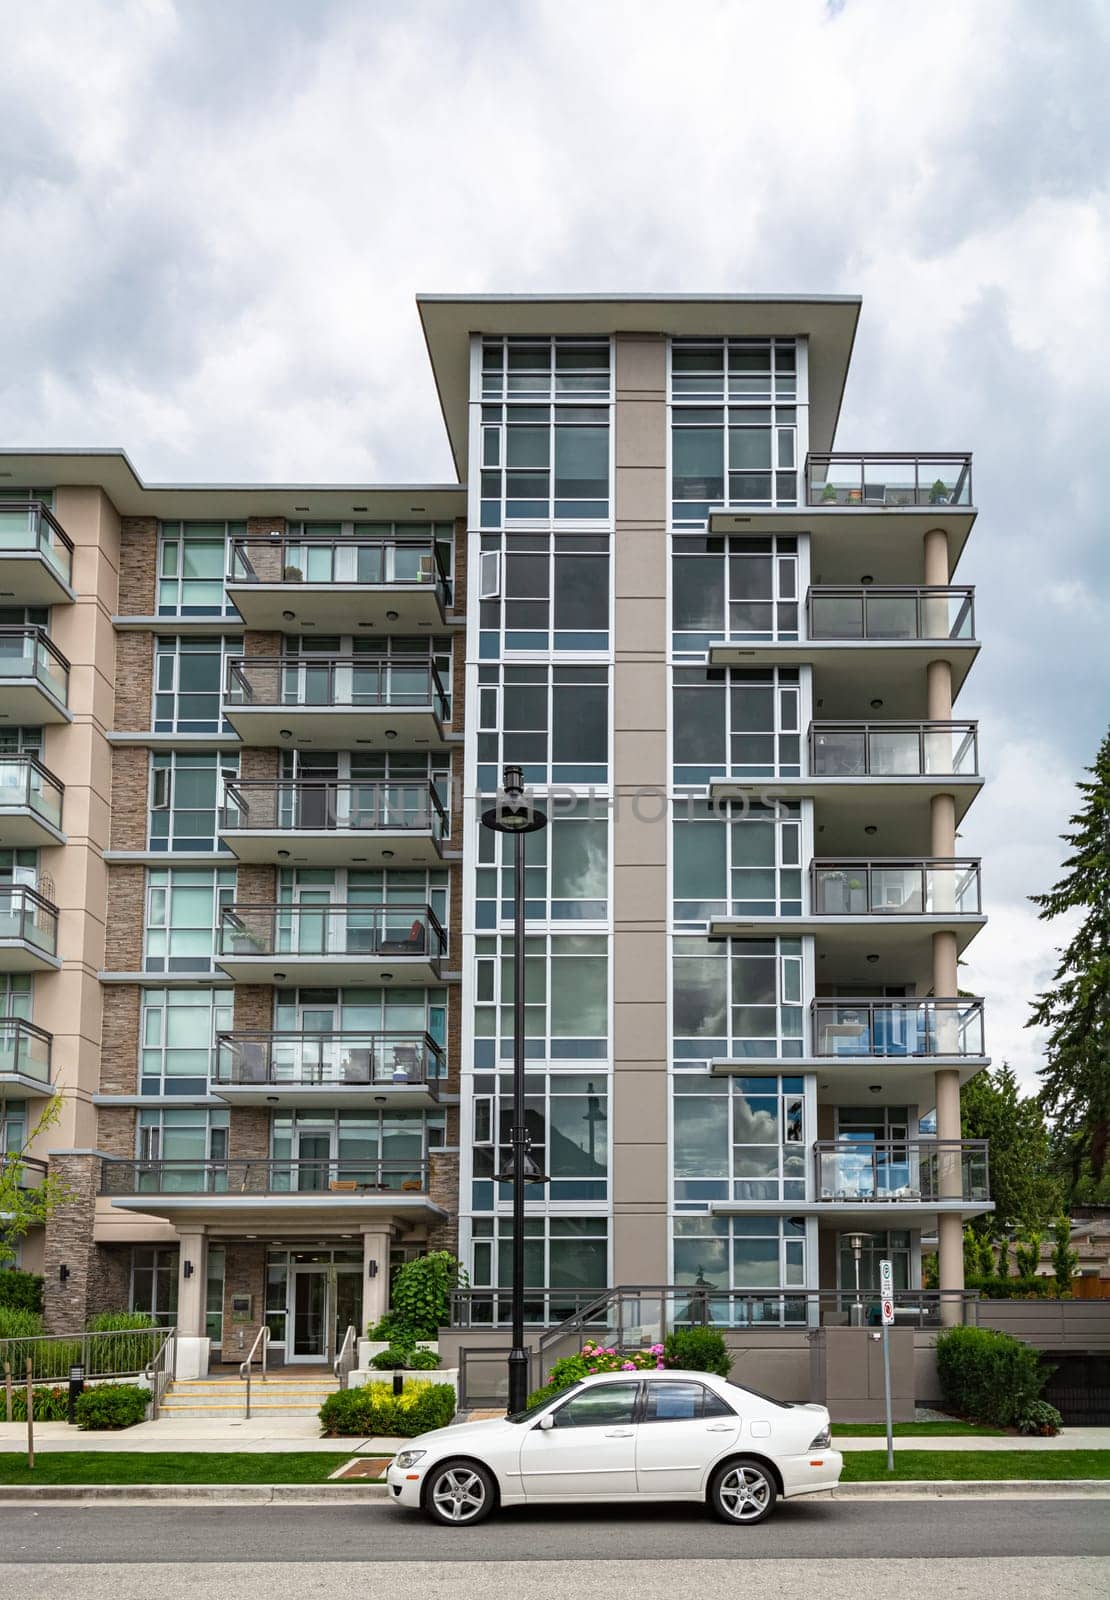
(1024, 1192)
(1064, 1258)
(1076, 1011)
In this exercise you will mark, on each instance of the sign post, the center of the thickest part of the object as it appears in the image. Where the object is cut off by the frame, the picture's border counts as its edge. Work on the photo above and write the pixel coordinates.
(886, 1296)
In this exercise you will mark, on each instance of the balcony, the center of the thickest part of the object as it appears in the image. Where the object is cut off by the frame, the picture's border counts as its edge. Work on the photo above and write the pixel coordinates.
(887, 481)
(267, 1194)
(310, 1070)
(24, 1060)
(893, 1030)
(36, 556)
(337, 702)
(331, 945)
(28, 931)
(34, 678)
(939, 888)
(326, 823)
(32, 1174)
(854, 1177)
(30, 804)
(339, 584)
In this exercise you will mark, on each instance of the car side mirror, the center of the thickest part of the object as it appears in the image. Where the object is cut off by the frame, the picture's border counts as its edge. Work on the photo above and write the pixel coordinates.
(547, 1421)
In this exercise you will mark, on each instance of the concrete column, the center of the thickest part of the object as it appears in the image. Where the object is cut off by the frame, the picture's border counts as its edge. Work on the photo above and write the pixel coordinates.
(192, 1284)
(942, 818)
(375, 1275)
(937, 571)
(939, 691)
(950, 1231)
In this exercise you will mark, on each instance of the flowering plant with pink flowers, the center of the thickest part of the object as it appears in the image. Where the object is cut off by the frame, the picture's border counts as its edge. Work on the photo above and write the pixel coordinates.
(604, 1358)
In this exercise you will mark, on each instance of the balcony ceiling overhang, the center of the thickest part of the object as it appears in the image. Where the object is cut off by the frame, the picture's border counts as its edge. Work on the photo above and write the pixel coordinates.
(275, 1212)
(843, 945)
(327, 1096)
(331, 847)
(354, 608)
(848, 541)
(329, 971)
(861, 1080)
(18, 1086)
(828, 321)
(26, 704)
(337, 727)
(897, 808)
(20, 955)
(22, 827)
(28, 578)
(847, 672)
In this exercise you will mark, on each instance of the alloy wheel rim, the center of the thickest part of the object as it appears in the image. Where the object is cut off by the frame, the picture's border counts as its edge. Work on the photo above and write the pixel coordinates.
(459, 1495)
(745, 1493)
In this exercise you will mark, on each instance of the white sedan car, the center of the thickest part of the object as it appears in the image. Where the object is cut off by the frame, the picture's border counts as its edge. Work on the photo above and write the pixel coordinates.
(618, 1436)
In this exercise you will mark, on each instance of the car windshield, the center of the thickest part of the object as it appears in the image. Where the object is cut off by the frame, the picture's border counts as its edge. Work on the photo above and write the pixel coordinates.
(541, 1405)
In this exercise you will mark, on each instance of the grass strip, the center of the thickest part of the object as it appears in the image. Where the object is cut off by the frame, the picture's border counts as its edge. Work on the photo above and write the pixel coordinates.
(185, 1466)
(915, 1430)
(869, 1466)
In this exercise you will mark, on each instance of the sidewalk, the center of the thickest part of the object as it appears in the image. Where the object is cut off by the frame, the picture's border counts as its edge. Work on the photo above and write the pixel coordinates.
(261, 1435)
(1069, 1439)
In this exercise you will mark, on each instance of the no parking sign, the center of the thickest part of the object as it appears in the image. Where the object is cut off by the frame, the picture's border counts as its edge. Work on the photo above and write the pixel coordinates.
(886, 1291)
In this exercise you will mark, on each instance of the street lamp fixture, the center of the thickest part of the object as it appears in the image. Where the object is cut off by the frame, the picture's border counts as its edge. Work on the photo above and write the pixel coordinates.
(515, 814)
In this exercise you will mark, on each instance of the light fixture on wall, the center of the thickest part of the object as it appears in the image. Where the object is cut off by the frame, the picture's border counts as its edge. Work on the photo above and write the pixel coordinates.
(876, 705)
(392, 616)
(875, 1088)
(371, 1269)
(186, 1269)
(870, 828)
(872, 959)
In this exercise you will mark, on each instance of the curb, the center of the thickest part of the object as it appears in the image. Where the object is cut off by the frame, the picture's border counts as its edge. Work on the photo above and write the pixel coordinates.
(367, 1493)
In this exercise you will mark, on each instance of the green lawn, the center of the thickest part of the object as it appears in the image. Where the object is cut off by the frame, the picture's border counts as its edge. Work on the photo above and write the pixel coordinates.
(100, 1466)
(865, 1466)
(914, 1430)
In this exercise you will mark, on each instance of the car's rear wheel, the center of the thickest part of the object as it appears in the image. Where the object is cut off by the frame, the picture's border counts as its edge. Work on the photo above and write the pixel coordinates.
(459, 1494)
(743, 1491)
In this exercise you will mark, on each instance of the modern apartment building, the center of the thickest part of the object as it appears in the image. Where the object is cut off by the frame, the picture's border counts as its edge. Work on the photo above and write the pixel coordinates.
(255, 935)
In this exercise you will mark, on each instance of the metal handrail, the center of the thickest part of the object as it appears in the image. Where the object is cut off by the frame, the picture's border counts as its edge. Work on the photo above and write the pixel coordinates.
(234, 1175)
(19, 900)
(919, 728)
(914, 1026)
(115, 1353)
(956, 875)
(32, 764)
(39, 634)
(900, 1171)
(919, 593)
(242, 570)
(959, 494)
(271, 676)
(375, 811)
(343, 1365)
(39, 513)
(259, 925)
(262, 1337)
(160, 1369)
(317, 1072)
(18, 1030)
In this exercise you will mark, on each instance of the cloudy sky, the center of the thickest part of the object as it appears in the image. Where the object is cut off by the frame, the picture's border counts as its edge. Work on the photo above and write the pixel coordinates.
(216, 214)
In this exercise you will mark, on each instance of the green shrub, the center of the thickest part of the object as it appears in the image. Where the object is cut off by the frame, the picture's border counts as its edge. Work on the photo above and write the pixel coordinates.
(120, 1321)
(1040, 1417)
(395, 1328)
(422, 1292)
(398, 1357)
(987, 1376)
(697, 1350)
(20, 1291)
(375, 1409)
(112, 1405)
(50, 1404)
(1038, 1287)
(17, 1322)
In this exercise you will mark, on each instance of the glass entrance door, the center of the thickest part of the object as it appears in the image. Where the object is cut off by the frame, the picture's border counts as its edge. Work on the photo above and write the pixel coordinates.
(348, 1303)
(310, 1314)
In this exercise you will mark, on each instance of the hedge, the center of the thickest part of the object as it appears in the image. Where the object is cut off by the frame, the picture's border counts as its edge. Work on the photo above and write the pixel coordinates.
(20, 1291)
(987, 1376)
(698, 1350)
(112, 1405)
(375, 1409)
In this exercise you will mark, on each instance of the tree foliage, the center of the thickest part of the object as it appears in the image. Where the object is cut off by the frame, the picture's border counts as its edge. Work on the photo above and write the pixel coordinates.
(1025, 1193)
(23, 1206)
(1076, 1010)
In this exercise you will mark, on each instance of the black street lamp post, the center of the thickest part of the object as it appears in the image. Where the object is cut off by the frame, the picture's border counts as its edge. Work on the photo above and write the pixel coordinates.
(515, 814)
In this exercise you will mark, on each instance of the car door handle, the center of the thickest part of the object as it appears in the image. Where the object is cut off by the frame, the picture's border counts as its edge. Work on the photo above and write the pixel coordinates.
(720, 1427)
(619, 1433)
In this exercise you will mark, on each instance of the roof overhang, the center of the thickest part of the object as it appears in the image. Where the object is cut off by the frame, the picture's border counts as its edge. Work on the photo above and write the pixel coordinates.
(827, 321)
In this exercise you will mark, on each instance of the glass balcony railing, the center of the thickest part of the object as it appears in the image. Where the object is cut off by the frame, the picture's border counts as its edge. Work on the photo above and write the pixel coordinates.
(31, 1174)
(325, 559)
(28, 653)
(347, 1174)
(332, 930)
(24, 1051)
(27, 527)
(25, 916)
(894, 613)
(887, 480)
(893, 749)
(26, 784)
(316, 1059)
(894, 1028)
(394, 683)
(362, 805)
(898, 1170)
(895, 888)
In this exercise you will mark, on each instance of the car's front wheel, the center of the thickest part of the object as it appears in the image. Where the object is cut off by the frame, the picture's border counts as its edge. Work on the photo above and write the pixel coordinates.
(459, 1494)
(743, 1491)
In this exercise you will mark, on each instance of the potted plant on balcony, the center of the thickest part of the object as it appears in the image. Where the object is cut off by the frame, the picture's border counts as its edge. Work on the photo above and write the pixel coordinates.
(938, 494)
(829, 495)
(292, 575)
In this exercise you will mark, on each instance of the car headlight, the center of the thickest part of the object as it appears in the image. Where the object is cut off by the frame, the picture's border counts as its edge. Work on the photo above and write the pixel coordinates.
(409, 1458)
(823, 1441)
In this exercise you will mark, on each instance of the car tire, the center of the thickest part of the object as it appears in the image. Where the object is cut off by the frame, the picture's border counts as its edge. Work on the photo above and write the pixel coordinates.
(743, 1492)
(460, 1494)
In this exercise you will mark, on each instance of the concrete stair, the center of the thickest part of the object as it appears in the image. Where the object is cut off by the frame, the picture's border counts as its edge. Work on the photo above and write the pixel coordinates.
(274, 1396)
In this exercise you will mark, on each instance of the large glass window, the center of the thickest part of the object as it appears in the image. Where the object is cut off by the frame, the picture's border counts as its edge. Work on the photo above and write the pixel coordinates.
(186, 795)
(154, 1282)
(541, 590)
(363, 1010)
(552, 721)
(566, 868)
(755, 1261)
(306, 887)
(737, 998)
(182, 917)
(568, 1253)
(179, 1028)
(15, 995)
(322, 1146)
(544, 431)
(744, 589)
(742, 863)
(738, 1139)
(566, 998)
(893, 1246)
(740, 723)
(192, 563)
(190, 1140)
(189, 676)
(568, 1126)
(733, 425)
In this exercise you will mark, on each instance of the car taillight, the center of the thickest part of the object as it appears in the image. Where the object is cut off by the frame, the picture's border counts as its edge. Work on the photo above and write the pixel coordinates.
(823, 1440)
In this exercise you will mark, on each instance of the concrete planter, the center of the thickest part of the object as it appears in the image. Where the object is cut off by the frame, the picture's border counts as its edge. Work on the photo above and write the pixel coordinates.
(362, 1375)
(369, 1348)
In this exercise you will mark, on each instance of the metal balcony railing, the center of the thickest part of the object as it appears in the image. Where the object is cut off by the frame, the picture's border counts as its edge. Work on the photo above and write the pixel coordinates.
(893, 749)
(930, 888)
(26, 783)
(892, 1028)
(28, 527)
(892, 613)
(892, 1171)
(315, 1059)
(397, 683)
(887, 479)
(30, 1174)
(319, 805)
(26, 916)
(24, 1050)
(28, 653)
(340, 1175)
(331, 930)
(339, 559)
